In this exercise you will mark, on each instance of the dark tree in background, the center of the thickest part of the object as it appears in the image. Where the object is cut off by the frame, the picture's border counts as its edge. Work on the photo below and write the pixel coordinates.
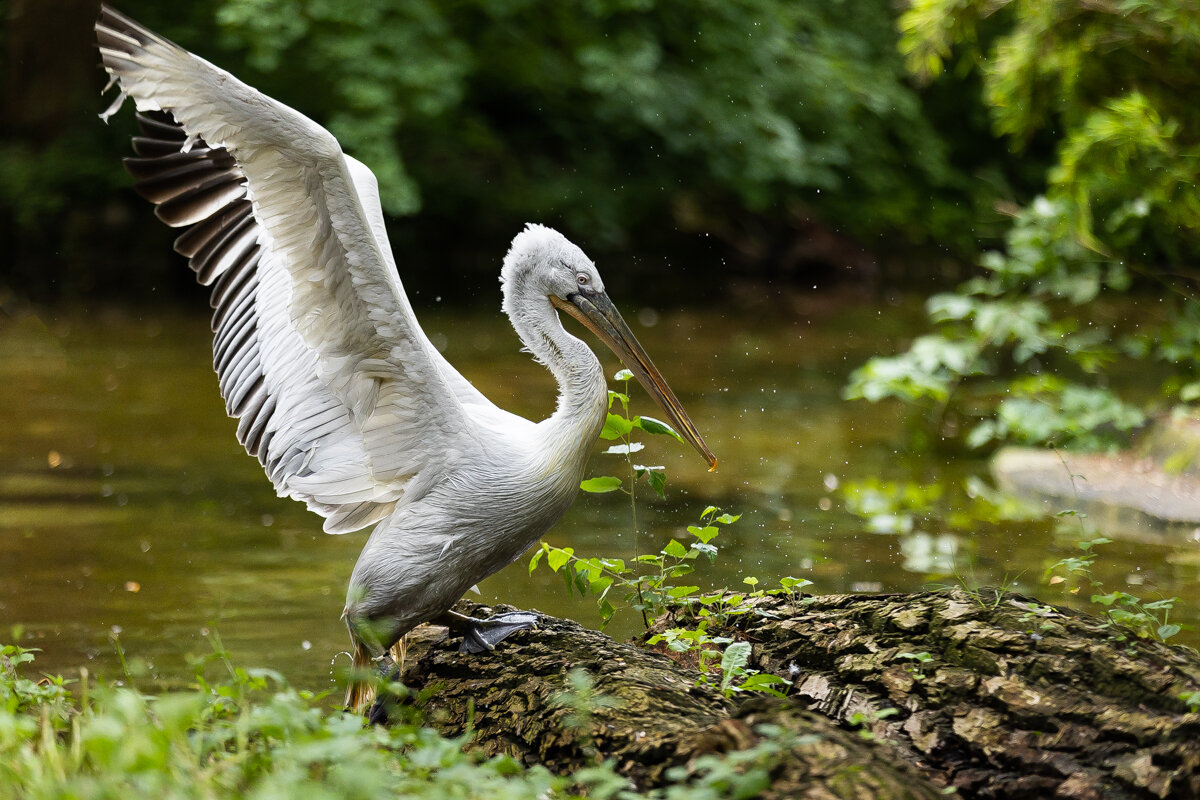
(774, 140)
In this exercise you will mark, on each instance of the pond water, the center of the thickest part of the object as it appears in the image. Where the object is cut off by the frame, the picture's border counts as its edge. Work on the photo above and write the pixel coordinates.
(128, 509)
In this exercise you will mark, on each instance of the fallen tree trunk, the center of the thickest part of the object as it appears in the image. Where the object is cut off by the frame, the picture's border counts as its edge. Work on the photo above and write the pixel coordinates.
(991, 694)
(640, 710)
(998, 695)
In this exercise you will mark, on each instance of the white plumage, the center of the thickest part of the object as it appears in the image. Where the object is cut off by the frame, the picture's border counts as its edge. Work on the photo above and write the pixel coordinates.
(339, 393)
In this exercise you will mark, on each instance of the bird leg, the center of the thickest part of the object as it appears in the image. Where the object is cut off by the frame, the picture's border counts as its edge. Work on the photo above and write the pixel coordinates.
(480, 635)
(391, 667)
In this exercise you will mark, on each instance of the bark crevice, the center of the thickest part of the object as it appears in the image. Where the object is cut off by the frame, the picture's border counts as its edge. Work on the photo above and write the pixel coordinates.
(995, 695)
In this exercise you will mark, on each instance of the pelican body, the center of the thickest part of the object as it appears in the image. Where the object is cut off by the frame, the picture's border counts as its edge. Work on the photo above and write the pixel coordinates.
(339, 393)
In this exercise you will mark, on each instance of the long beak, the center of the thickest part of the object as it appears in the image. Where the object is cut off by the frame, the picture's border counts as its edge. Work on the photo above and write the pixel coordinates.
(597, 313)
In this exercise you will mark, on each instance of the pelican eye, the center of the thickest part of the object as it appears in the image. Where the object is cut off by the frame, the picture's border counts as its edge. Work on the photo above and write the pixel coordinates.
(582, 279)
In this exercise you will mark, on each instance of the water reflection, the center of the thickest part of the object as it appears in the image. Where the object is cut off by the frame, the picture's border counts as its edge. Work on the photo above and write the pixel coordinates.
(126, 502)
(929, 554)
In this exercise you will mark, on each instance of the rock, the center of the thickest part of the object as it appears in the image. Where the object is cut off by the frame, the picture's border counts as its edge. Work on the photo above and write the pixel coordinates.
(1123, 493)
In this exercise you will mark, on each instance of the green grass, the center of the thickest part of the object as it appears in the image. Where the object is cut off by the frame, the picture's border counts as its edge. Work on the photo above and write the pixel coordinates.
(250, 734)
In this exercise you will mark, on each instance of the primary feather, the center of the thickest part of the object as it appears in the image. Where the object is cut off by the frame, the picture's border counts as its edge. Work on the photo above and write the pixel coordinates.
(340, 394)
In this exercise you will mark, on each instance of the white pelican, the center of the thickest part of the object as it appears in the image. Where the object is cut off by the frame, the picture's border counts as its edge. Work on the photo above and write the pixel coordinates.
(340, 395)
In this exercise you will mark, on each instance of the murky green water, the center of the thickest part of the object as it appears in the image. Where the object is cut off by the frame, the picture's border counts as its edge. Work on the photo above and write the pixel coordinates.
(127, 505)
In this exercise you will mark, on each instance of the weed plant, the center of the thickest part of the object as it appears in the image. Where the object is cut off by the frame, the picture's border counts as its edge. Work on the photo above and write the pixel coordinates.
(250, 734)
(649, 585)
(247, 734)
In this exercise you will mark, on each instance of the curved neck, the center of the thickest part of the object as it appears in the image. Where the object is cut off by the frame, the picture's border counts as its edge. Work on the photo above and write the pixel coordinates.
(582, 393)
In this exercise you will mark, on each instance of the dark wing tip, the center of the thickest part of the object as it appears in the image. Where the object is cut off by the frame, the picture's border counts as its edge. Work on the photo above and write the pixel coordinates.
(117, 28)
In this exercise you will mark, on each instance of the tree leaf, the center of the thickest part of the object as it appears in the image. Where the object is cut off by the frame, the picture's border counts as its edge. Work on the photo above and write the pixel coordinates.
(558, 556)
(675, 549)
(658, 482)
(600, 485)
(614, 565)
(652, 425)
(615, 426)
(657, 477)
(764, 682)
(791, 583)
(733, 661)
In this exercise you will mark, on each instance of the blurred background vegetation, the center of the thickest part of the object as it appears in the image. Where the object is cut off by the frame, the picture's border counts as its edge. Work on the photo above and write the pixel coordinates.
(1043, 151)
(775, 141)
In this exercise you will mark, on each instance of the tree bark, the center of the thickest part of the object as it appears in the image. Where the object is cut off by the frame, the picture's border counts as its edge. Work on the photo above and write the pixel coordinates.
(1016, 699)
(993, 695)
(648, 716)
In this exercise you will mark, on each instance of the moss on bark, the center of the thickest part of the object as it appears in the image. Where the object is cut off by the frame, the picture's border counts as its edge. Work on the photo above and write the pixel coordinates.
(993, 694)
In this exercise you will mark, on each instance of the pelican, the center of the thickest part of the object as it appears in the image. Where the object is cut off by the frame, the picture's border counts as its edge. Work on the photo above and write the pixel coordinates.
(339, 393)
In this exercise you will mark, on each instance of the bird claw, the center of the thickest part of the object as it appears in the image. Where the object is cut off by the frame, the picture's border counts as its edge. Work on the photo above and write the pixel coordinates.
(482, 635)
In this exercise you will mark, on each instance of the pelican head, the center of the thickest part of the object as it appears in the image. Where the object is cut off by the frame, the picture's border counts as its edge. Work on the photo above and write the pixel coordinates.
(541, 261)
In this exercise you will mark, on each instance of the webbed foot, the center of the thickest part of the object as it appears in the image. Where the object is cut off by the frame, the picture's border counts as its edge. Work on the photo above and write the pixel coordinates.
(481, 635)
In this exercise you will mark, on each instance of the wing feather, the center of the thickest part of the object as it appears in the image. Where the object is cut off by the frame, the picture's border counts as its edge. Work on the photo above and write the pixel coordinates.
(339, 393)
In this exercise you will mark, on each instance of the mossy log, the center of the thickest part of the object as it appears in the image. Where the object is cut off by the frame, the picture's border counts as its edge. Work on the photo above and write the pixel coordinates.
(992, 694)
(998, 695)
(647, 715)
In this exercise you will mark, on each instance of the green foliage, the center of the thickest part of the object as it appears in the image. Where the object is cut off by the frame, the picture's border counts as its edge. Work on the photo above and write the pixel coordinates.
(1148, 619)
(1041, 612)
(863, 721)
(1122, 199)
(20, 695)
(890, 507)
(247, 734)
(1014, 355)
(722, 656)
(552, 101)
(736, 676)
(919, 659)
(737, 775)
(647, 581)
(369, 69)
(582, 700)
(1127, 173)
(620, 119)
(619, 425)
(647, 584)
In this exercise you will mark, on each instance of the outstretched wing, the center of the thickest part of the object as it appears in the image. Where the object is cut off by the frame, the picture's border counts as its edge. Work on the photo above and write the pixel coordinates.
(339, 393)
